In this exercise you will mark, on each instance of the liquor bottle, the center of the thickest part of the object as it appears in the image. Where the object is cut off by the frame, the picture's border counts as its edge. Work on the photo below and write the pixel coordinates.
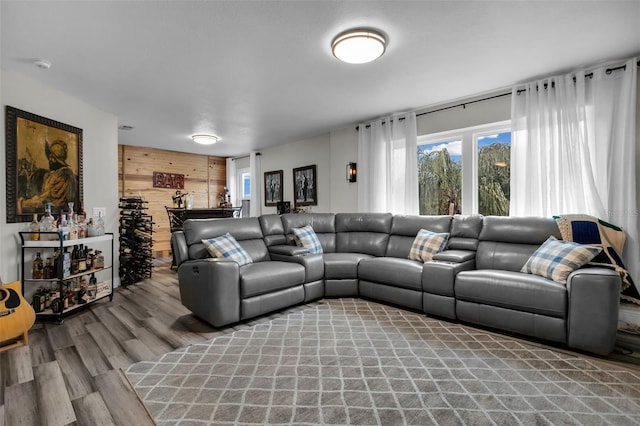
(47, 274)
(82, 259)
(37, 304)
(98, 261)
(37, 272)
(47, 223)
(64, 226)
(34, 227)
(73, 227)
(90, 257)
(92, 231)
(74, 260)
(92, 287)
(56, 262)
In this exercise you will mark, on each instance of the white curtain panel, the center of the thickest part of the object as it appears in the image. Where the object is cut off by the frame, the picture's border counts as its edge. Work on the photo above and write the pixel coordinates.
(232, 185)
(388, 165)
(256, 184)
(574, 150)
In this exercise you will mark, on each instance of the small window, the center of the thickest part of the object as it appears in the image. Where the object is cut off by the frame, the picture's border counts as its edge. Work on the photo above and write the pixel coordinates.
(440, 177)
(246, 185)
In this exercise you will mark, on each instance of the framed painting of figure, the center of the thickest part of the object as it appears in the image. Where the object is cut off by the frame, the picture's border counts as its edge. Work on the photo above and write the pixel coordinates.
(305, 191)
(272, 188)
(44, 165)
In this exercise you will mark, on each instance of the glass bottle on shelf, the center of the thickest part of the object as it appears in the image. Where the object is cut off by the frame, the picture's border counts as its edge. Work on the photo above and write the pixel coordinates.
(47, 273)
(47, 223)
(89, 259)
(82, 259)
(98, 261)
(37, 272)
(34, 227)
(73, 227)
(64, 226)
(74, 260)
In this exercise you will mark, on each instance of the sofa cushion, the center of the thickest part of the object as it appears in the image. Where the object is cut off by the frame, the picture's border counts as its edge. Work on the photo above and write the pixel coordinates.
(392, 271)
(266, 277)
(426, 244)
(342, 265)
(556, 259)
(226, 246)
(307, 238)
(512, 290)
(405, 228)
(323, 225)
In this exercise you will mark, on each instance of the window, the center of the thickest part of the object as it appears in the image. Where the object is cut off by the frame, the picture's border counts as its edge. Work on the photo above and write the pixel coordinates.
(440, 176)
(244, 184)
(494, 172)
(465, 171)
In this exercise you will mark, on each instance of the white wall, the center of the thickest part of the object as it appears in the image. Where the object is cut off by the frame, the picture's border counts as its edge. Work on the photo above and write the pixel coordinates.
(299, 154)
(484, 112)
(100, 157)
(344, 149)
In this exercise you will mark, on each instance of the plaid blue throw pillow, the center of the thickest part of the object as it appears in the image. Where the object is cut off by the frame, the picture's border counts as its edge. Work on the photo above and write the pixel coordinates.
(427, 244)
(556, 259)
(227, 246)
(306, 237)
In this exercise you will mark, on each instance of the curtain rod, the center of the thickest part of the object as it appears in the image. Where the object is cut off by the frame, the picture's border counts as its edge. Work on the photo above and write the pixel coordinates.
(463, 105)
(589, 75)
(243, 156)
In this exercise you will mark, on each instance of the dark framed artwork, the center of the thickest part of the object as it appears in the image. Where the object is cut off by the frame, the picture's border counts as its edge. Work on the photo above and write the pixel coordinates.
(304, 186)
(44, 165)
(272, 188)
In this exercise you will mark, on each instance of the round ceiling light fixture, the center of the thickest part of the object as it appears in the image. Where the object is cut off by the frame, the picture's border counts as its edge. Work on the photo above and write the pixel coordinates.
(204, 139)
(42, 64)
(358, 46)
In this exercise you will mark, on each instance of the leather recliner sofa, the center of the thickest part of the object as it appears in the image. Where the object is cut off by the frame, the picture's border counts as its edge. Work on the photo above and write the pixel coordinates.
(476, 278)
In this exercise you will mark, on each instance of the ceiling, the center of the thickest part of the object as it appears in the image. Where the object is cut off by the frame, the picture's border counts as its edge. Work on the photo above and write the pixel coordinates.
(261, 73)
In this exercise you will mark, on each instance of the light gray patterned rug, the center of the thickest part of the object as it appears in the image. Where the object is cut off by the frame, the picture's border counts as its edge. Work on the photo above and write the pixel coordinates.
(350, 361)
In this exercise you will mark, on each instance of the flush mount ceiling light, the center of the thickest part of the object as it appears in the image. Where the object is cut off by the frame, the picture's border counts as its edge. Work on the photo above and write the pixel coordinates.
(204, 139)
(358, 46)
(42, 64)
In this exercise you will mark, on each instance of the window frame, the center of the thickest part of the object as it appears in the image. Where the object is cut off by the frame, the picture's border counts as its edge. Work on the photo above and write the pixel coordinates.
(469, 160)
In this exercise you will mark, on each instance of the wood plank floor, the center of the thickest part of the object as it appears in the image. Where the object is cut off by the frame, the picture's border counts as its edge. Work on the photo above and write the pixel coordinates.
(72, 373)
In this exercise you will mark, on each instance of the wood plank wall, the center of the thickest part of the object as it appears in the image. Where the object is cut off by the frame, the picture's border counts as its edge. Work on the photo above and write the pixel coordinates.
(205, 177)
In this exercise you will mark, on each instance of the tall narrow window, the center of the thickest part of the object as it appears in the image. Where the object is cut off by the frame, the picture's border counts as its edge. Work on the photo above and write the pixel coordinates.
(494, 173)
(440, 177)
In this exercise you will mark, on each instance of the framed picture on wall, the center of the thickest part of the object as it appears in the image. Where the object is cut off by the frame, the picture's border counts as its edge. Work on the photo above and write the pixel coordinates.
(44, 165)
(272, 188)
(305, 186)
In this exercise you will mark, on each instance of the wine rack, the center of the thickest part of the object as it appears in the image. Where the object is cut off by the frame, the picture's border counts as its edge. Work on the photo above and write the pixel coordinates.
(136, 240)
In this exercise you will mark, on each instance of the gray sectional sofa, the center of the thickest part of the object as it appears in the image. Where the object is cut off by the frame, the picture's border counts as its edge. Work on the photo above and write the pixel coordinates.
(476, 279)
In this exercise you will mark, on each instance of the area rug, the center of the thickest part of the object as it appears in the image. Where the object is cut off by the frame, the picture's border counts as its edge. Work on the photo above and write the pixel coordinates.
(354, 362)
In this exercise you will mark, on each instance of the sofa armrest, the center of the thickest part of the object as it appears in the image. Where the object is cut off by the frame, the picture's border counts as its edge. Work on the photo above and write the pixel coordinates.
(179, 247)
(287, 250)
(594, 298)
(457, 256)
(210, 288)
(438, 277)
(313, 264)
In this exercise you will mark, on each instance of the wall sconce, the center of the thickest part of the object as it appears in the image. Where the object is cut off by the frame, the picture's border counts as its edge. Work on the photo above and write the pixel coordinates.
(352, 172)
